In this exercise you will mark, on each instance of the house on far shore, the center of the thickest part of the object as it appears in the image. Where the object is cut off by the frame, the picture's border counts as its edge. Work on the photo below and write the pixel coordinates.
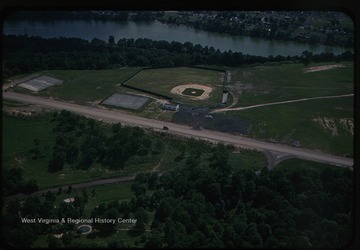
(170, 106)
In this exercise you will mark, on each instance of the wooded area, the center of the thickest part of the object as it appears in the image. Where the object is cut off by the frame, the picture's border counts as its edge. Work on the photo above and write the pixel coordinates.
(207, 202)
(23, 54)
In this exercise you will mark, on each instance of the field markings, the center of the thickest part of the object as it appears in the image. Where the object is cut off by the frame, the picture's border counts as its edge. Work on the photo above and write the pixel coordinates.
(278, 103)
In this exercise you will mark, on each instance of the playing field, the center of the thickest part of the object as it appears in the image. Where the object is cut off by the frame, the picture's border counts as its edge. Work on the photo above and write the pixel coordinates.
(192, 86)
(126, 101)
(85, 86)
(40, 83)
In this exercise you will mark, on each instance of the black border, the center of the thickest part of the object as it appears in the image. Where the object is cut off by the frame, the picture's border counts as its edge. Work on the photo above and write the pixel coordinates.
(349, 7)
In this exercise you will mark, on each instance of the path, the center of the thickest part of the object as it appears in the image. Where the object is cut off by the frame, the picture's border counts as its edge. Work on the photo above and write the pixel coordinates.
(277, 103)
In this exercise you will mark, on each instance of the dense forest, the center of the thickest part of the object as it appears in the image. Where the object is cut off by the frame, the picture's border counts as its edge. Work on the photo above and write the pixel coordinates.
(23, 54)
(205, 203)
(334, 28)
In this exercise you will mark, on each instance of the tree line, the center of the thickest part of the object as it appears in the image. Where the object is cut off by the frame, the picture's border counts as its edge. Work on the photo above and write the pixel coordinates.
(312, 27)
(207, 204)
(23, 54)
(80, 142)
(206, 201)
(333, 28)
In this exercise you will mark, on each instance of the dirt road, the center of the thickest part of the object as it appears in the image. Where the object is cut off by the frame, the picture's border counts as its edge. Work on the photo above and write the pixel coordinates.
(277, 103)
(118, 116)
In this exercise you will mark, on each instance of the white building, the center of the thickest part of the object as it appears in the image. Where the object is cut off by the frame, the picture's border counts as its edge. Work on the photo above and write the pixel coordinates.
(225, 97)
(170, 106)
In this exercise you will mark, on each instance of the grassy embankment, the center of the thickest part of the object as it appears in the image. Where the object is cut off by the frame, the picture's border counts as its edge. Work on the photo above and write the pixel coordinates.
(323, 124)
(19, 135)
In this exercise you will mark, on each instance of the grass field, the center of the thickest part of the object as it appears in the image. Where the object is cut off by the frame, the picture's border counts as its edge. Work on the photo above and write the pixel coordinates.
(83, 86)
(291, 164)
(298, 122)
(193, 92)
(323, 124)
(162, 81)
(265, 84)
(247, 159)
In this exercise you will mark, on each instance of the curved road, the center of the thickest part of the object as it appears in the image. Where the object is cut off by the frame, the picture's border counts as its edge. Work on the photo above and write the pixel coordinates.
(214, 136)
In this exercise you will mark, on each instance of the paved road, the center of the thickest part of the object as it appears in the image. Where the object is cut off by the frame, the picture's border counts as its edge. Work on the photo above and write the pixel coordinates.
(124, 118)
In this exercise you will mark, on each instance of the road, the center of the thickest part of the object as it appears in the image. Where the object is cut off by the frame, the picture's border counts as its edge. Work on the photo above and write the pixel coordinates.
(282, 102)
(76, 186)
(214, 136)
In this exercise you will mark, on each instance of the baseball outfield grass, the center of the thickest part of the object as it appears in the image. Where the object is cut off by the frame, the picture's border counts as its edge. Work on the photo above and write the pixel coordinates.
(162, 81)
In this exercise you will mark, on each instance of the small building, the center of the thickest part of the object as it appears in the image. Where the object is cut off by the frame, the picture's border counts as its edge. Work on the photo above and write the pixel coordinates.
(69, 200)
(170, 106)
(225, 97)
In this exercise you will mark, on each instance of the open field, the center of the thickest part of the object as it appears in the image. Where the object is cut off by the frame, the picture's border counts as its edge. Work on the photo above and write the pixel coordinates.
(162, 81)
(265, 84)
(86, 86)
(325, 124)
(291, 164)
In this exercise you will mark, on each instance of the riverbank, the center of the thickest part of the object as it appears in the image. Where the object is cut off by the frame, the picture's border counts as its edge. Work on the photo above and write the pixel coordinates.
(163, 30)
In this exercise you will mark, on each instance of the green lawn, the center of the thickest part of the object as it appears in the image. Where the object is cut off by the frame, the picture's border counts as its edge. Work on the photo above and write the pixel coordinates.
(297, 121)
(193, 92)
(291, 164)
(162, 81)
(265, 84)
(247, 159)
(83, 86)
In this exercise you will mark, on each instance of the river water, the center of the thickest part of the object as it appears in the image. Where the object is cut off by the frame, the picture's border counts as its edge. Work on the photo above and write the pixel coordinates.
(159, 31)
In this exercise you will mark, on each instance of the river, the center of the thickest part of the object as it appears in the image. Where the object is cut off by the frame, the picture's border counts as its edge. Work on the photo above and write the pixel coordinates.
(159, 31)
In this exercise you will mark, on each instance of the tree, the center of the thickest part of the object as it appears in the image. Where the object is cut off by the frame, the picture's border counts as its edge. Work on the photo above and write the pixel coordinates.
(154, 241)
(252, 235)
(57, 162)
(141, 215)
(109, 228)
(164, 210)
(138, 229)
(50, 196)
(111, 40)
(53, 242)
(12, 180)
(67, 238)
(306, 57)
(117, 244)
(22, 236)
(72, 153)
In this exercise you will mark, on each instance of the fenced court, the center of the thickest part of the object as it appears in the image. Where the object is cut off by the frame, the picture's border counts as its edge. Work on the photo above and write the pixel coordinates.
(126, 101)
(40, 83)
